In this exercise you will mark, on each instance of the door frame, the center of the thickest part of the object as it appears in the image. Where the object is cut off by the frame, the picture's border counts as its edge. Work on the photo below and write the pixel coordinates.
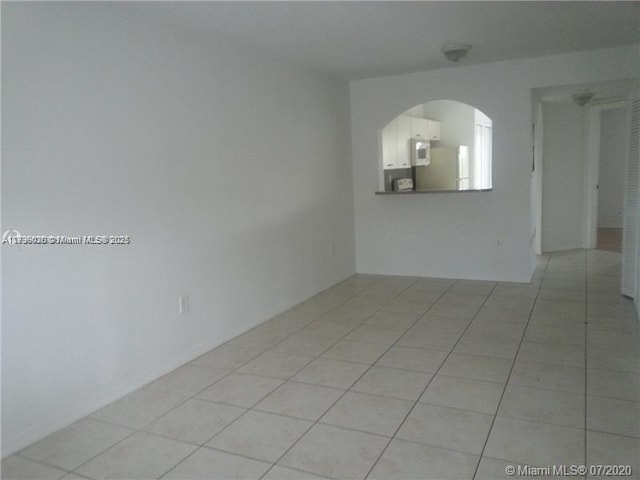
(593, 125)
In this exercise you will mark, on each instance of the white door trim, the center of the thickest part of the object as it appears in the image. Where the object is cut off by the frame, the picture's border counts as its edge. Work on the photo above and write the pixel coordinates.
(592, 170)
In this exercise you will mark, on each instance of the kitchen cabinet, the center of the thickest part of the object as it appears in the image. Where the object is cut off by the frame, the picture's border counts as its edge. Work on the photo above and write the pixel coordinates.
(419, 128)
(433, 130)
(390, 145)
(397, 135)
(404, 138)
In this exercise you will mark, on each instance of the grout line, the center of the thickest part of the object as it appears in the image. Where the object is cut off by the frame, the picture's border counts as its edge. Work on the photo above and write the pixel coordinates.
(586, 348)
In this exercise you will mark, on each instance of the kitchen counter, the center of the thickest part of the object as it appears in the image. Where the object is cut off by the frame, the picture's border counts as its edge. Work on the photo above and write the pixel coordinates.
(413, 192)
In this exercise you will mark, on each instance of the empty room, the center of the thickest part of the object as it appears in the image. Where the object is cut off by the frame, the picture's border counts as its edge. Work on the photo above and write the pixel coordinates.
(307, 240)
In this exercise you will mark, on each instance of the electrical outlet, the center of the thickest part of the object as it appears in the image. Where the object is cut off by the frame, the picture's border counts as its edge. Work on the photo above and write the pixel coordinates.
(183, 304)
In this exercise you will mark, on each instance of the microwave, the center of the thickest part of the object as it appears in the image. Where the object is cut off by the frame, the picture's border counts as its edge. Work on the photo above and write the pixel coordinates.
(420, 153)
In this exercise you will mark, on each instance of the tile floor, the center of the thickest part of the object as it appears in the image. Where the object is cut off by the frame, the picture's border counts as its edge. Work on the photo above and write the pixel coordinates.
(387, 377)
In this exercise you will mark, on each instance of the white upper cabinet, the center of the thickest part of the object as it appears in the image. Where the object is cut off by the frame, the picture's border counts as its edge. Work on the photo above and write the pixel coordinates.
(433, 130)
(404, 138)
(397, 135)
(419, 128)
(390, 145)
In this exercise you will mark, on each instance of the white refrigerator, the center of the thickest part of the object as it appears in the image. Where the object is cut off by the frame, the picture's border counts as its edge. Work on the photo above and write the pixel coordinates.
(449, 169)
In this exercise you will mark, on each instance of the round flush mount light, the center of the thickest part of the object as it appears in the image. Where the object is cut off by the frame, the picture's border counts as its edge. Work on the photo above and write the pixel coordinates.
(582, 98)
(455, 51)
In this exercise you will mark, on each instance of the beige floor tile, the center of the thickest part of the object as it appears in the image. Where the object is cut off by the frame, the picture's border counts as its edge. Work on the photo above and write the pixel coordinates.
(610, 415)
(455, 392)
(547, 406)
(139, 408)
(240, 390)
(620, 310)
(453, 310)
(331, 373)
(300, 400)
(607, 449)
(142, 455)
(515, 290)
(284, 473)
(376, 334)
(259, 435)
(488, 346)
(260, 338)
(450, 428)
(484, 287)
(15, 467)
(304, 345)
(613, 384)
(393, 319)
(612, 324)
(498, 330)
(226, 357)
(351, 351)
(614, 341)
(332, 329)
(510, 302)
(419, 337)
(463, 298)
(565, 336)
(418, 359)
(276, 364)
(72, 446)
(565, 295)
(548, 376)
(477, 367)
(195, 421)
(556, 320)
(535, 443)
(392, 382)
(187, 380)
(335, 452)
(495, 469)
(611, 360)
(554, 353)
(208, 464)
(501, 314)
(438, 324)
(405, 305)
(368, 413)
(408, 460)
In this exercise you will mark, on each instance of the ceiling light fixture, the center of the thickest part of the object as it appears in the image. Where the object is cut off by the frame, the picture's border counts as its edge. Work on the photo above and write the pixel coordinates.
(455, 51)
(582, 98)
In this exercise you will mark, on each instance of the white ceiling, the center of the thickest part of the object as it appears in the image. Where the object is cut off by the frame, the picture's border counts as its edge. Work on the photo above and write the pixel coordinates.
(366, 39)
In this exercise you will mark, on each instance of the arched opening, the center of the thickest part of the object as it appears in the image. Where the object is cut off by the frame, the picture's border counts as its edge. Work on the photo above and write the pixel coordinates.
(441, 145)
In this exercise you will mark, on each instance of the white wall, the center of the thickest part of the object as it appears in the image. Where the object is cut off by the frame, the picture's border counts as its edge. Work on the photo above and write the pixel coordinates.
(563, 176)
(613, 152)
(470, 235)
(230, 172)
